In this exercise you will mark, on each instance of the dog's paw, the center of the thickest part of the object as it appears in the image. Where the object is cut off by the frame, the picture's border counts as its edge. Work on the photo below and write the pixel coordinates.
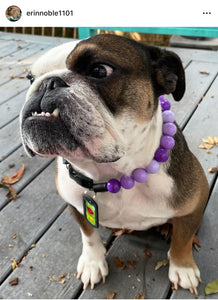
(186, 277)
(92, 266)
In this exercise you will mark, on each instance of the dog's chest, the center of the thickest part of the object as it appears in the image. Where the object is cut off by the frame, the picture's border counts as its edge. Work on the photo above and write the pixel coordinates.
(142, 207)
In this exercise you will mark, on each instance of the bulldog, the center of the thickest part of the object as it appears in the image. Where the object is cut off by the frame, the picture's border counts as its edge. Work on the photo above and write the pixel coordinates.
(97, 107)
(13, 12)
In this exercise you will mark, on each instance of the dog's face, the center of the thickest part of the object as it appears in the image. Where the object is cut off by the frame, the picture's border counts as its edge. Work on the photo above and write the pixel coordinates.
(82, 111)
(13, 11)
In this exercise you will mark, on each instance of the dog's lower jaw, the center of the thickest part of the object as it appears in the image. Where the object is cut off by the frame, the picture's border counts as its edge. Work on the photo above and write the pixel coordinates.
(92, 265)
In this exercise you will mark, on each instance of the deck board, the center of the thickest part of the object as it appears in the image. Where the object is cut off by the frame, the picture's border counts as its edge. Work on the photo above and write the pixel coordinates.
(39, 215)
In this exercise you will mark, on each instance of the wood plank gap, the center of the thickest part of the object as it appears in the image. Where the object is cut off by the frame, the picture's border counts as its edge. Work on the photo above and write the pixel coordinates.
(212, 185)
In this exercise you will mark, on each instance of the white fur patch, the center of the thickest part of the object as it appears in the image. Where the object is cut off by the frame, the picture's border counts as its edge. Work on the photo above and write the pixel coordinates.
(92, 265)
(186, 277)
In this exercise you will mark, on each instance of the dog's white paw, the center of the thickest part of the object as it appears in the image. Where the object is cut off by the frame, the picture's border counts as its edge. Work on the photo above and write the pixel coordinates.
(92, 266)
(186, 277)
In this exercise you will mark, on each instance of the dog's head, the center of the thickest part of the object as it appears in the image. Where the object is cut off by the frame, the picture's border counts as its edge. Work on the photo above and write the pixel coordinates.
(82, 111)
(13, 11)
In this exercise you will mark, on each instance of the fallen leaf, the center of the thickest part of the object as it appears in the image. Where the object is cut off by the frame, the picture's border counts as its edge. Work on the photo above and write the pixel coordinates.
(213, 170)
(62, 281)
(139, 296)
(165, 230)
(161, 263)
(119, 232)
(14, 281)
(15, 236)
(204, 73)
(211, 140)
(14, 178)
(131, 264)
(212, 287)
(14, 264)
(119, 264)
(111, 296)
(196, 243)
(11, 195)
(205, 146)
(147, 253)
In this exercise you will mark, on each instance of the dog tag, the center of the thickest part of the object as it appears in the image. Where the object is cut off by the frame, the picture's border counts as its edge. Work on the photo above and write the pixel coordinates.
(90, 209)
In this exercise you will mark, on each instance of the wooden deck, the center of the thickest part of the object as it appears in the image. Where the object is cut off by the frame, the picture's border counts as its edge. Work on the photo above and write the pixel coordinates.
(37, 230)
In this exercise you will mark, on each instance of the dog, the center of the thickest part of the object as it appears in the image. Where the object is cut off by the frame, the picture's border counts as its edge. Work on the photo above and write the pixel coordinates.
(13, 12)
(98, 108)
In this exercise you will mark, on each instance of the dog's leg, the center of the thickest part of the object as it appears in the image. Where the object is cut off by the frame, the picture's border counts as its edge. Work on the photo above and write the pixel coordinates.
(183, 270)
(92, 265)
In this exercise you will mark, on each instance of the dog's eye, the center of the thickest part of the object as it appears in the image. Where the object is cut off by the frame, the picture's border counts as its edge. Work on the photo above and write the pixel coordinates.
(101, 71)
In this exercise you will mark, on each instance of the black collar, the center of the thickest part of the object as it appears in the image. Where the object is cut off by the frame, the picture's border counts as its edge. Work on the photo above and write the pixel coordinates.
(85, 181)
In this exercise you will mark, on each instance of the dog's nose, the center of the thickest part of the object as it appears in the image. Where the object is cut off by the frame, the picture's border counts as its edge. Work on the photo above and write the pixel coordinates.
(55, 82)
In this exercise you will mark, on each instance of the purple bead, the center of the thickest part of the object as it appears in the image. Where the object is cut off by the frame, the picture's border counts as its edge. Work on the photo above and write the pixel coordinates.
(140, 175)
(167, 142)
(161, 98)
(161, 155)
(165, 104)
(168, 116)
(169, 129)
(127, 182)
(153, 167)
(113, 186)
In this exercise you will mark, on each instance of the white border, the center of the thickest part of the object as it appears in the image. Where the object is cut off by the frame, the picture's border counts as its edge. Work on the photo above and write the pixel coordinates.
(115, 13)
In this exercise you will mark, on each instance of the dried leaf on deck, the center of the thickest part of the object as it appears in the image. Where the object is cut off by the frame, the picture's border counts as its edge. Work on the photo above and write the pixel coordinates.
(14, 264)
(205, 146)
(119, 232)
(211, 140)
(147, 253)
(131, 264)
(212, 287)
(140, 296)
(119, 264)
(14, 281)
(14, 178)
(11, 195)
(196, 243)
(161, 263)
(111, 296)
(213, 170)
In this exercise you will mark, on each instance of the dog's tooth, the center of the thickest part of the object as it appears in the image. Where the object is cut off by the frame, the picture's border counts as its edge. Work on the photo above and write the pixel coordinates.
(56, 112)
(42, 113)
(47, 114)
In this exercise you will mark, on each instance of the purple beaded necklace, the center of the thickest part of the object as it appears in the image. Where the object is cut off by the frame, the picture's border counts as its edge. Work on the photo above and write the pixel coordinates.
(167, 142)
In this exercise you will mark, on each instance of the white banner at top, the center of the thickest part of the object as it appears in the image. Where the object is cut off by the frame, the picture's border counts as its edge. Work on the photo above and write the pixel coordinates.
(111, 13)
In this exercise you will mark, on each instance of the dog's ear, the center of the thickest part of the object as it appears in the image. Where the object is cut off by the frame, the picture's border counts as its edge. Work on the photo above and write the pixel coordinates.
(168, 72)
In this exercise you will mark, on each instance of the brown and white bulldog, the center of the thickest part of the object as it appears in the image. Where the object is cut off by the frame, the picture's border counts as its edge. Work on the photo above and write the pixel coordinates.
(97, 107)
